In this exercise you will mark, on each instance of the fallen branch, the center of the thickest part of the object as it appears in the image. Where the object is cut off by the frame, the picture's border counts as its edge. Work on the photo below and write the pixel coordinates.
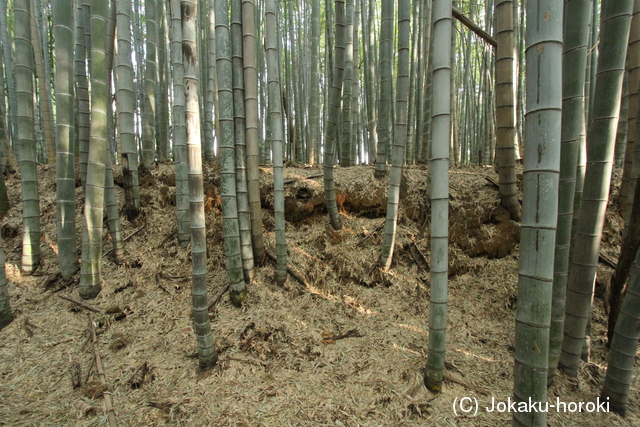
(173, 233)
(165, 407)
(126, 238)
(81, 303)
(163, 276)
(55, 343)
(492, 182)
(353, 333)
(255, 362)
(473, 27)
(111, 415)
(378, 228)
(469, 386)
(606, 260)
(213, 301)
(296, 275)
(291, 180)
(418, 257)
(28, 326)
(51, 279)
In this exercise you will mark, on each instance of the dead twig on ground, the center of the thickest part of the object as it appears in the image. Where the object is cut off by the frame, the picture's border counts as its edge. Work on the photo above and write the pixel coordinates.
(53, 344)
(213, 301)
(51, 280)
(81, 303)
(111, 415)
(28, 326)
(469, 386)
(169, 237)
(606, 260)
(291, 180)
(418, 257)
(163, 276)
(126, 238)
(353, 333)
(295, 274)
(379, 227)
(253, 361)
(493, 182)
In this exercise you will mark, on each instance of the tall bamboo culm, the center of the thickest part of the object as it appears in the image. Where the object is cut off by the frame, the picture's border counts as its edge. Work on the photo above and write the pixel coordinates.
(439, 170)
(65, 166)
(576, 36)
(277, 136)
(90, 275)
(400, 133)
(540, 206)
(226, 140)
(615, 25)
(331, 133)
(207, 356)
(249, 48)
(26, 137)
(179, 127)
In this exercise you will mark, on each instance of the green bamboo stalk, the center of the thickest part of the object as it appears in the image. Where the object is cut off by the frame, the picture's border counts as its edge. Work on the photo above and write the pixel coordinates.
(84, 116)
(211, 106)
(439, 170)
(386, 90)
(44, 84)
(624, 346)
(244, 219)
(90, 274)
(577, 14)
(207, 356)
(616, 19)
(150, 80)
(331, 133)
(314, 97)
(26, 137)
(277, 136)
(179, 127)
(505, 108)
(10, 79)
(633, 71)
(226, 138)
(253, 132)
(540, 206)
(162, 142)
(400, 133)
(370, 80)
(125, 101)
(346, 138)
(65, 165)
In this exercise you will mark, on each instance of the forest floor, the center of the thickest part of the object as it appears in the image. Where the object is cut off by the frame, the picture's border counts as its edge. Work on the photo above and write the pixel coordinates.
(282, 361)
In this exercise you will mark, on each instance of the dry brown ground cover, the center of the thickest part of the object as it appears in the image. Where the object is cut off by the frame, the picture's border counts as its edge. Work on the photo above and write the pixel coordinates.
(279, 361)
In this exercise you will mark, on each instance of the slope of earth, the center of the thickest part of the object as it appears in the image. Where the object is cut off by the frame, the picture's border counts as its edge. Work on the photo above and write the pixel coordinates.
(345, 349)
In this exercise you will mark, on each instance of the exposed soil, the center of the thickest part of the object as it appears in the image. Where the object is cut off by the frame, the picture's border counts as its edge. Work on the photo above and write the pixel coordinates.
(347, 349)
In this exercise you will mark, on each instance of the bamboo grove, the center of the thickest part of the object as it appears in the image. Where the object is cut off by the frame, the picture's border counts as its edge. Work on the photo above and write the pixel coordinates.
(549, 83)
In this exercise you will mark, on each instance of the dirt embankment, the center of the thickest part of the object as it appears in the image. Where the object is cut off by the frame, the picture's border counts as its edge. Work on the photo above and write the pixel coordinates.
(348, 349)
